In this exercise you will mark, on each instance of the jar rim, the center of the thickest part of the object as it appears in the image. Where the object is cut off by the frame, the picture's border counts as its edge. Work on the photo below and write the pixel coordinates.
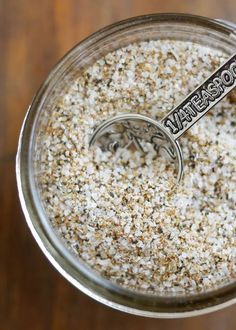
(95, 286)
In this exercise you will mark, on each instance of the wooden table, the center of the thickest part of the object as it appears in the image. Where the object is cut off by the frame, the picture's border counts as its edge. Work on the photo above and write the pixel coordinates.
(33, 36)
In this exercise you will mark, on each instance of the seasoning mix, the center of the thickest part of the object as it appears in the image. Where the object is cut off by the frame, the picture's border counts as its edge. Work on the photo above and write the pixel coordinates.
(122, 215)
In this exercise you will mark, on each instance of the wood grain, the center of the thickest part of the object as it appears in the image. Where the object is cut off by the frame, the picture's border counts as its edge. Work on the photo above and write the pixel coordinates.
(33, 36)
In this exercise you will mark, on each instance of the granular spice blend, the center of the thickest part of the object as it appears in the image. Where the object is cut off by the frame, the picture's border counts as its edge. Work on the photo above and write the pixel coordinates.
(121, 215)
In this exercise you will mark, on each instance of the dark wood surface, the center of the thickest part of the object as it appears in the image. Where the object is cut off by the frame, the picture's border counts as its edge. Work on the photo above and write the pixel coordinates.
(33, 36)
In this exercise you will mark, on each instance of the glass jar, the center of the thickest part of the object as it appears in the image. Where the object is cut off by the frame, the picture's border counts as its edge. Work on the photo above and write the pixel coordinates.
(217, 34)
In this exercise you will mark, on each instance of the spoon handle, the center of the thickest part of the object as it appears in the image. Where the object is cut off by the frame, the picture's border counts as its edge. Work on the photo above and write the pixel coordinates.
(202, 99)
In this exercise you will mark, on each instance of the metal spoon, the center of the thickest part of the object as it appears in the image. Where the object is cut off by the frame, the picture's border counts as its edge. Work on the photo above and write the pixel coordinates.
(126, 129)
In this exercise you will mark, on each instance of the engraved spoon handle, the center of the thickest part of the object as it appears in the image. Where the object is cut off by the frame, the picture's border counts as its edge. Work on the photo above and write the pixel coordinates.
(202, 99)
